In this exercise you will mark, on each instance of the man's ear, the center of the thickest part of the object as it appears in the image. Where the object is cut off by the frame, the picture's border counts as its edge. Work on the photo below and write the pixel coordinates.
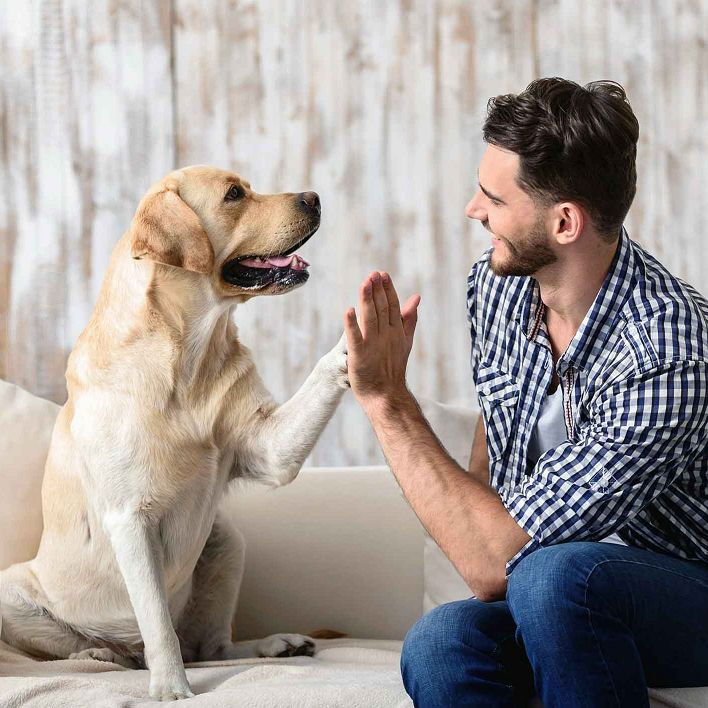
(166, 230)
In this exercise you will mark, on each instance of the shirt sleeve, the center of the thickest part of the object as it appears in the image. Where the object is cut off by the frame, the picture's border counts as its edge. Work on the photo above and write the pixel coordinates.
(643, 433)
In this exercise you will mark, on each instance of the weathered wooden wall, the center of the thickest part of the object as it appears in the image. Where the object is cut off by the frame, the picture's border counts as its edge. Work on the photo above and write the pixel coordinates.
(376, 105)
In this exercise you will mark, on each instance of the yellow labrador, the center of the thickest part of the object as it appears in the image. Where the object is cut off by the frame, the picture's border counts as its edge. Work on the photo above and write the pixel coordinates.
(165, 407)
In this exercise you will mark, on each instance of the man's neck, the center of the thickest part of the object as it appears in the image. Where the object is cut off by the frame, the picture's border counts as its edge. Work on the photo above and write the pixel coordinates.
(570, 285)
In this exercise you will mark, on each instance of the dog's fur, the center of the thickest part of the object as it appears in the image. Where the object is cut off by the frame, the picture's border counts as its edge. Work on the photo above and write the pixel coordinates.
(164, 408)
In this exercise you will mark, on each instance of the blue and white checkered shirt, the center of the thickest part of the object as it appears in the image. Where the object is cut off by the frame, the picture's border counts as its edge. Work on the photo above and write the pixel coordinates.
(634, 381)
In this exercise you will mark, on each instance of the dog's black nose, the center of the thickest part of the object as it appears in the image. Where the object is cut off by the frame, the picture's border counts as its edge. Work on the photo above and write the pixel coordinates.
(310, 200)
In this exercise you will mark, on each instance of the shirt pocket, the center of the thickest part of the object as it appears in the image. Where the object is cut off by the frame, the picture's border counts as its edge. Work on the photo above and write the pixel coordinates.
(498, 398)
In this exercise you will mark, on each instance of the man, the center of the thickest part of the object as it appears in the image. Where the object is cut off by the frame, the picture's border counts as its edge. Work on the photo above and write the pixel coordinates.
(591, 366)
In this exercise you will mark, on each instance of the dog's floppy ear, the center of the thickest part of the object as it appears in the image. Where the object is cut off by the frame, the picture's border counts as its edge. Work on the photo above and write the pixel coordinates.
(166, 230)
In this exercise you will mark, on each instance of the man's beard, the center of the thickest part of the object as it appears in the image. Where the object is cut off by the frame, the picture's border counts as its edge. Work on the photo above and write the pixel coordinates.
(528, 256)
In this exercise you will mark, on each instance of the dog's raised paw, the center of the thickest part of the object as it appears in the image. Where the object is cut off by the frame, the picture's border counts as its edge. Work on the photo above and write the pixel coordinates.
(335, 363)
(281, 645)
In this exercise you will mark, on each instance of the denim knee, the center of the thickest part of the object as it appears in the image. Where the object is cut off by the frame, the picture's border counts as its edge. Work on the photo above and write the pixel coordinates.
(476, 624)
(450, 654)
(550, 581)
(432, 633)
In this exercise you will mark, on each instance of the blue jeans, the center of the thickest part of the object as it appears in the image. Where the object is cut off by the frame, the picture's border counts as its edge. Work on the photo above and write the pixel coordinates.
(583, 624)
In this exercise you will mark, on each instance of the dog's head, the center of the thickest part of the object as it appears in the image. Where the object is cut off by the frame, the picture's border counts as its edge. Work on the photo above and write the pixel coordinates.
(210, 221)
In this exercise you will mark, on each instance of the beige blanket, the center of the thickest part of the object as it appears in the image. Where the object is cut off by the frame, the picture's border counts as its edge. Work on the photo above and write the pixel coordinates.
(351, 673)
(344, 672)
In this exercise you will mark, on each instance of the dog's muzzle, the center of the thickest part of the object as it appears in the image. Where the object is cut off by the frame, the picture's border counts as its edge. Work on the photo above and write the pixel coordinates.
(285, 270)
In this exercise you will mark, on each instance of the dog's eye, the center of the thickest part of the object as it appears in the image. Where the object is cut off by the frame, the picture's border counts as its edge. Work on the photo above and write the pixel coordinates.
(235, 193)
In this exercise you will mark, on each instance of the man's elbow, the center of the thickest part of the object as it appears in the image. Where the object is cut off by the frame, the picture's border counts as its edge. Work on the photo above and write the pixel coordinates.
(489, 588)
(491, 593)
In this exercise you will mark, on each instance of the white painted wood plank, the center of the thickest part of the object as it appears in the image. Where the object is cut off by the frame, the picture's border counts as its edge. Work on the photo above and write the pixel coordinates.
(377, 106)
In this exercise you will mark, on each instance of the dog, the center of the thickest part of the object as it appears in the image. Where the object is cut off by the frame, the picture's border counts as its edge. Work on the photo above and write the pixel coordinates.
(136, 564)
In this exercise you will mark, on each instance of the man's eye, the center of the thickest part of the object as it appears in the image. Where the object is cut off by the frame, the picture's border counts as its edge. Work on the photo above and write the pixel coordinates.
(495, 202)
(235, 193)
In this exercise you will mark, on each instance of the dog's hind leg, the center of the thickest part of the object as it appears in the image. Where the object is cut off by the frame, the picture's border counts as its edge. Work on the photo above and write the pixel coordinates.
(204, 629)
(29, 626)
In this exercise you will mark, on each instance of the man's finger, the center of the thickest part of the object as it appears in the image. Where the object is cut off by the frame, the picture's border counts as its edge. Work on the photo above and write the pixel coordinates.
(380, 301)
(367, 309)
(394, 307)
(410, 315)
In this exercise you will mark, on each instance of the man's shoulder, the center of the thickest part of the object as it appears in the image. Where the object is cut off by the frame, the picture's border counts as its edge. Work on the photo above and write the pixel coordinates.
(673, 313)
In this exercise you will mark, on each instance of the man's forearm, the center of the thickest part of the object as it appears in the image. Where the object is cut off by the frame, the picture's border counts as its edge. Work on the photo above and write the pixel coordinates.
(464, 515)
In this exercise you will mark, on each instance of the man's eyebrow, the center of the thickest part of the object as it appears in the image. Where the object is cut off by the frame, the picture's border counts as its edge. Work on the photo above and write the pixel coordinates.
(489, 194)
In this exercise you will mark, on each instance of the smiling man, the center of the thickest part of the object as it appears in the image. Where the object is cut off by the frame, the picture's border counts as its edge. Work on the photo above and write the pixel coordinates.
(581, 525)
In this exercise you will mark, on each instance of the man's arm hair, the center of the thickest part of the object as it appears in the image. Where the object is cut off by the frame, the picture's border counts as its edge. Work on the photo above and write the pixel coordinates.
(479, 460)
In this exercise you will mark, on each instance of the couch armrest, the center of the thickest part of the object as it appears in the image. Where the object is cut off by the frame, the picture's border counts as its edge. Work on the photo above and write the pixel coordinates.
(26, 424)
(338, 548)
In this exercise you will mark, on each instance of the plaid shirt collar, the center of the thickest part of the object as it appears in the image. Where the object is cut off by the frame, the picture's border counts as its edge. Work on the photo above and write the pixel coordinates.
(599, 320)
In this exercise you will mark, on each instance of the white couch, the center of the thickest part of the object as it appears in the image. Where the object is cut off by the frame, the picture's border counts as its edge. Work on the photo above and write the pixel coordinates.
(339, 548)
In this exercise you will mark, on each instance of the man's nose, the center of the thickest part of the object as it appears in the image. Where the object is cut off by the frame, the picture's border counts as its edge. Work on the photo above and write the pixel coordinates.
(475, 208)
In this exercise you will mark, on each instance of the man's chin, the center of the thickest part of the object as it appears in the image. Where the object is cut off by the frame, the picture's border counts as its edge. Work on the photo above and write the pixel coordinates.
(520, 268)
(499, 264)
(505, 267)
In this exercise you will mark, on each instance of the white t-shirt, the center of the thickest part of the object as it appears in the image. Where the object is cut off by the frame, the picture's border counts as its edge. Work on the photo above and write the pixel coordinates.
(550, 432)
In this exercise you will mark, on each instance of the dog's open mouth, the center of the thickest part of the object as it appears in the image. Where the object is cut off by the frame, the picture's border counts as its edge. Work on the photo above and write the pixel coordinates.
(293, 261)
(285, 270)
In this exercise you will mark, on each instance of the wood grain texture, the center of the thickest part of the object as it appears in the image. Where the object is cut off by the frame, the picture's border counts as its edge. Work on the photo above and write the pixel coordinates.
(377, 106)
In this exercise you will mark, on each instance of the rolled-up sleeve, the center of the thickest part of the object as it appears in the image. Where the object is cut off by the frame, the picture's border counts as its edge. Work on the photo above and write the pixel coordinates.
(643, 432)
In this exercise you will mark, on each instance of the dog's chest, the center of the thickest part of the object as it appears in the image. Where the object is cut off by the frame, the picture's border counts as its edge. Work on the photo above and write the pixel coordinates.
(198, 475)
(186, 524)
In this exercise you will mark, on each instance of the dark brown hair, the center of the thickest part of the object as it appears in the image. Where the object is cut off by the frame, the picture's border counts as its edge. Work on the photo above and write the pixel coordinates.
(574, 144)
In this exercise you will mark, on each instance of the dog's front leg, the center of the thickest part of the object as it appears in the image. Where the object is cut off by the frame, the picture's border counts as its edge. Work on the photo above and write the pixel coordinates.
(135, 542)
(286, 437)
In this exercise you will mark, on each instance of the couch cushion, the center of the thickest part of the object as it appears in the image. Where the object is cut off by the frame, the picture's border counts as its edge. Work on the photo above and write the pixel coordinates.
(339, 548)
(26, 424)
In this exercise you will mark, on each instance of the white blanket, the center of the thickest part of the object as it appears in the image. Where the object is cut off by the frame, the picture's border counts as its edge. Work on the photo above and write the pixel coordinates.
(346, 673)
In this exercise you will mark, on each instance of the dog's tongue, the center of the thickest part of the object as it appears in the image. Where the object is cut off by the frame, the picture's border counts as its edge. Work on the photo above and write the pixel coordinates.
(281, 261)
(293, 260)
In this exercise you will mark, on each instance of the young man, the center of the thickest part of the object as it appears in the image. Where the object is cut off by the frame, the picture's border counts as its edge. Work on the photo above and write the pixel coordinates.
(581, 526)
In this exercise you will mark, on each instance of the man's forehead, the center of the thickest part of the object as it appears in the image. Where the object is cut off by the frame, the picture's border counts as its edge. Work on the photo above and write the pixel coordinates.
(499, 167)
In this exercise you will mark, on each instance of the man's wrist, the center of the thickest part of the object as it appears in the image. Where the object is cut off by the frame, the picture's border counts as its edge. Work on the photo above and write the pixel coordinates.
(387, 403)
